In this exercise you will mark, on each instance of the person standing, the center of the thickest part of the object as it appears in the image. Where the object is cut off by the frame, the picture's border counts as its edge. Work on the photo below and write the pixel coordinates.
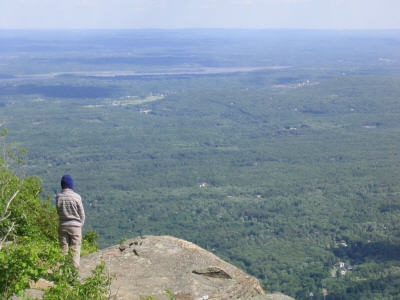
(71, 219)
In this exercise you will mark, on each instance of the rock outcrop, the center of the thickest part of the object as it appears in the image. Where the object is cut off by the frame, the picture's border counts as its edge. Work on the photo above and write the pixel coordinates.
(150, 265)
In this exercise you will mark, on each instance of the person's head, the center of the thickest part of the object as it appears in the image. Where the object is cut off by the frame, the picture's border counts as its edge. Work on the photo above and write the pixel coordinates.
(67, 182)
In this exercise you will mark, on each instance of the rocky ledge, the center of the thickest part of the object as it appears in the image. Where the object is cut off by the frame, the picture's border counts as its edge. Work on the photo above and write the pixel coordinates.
(151, 265)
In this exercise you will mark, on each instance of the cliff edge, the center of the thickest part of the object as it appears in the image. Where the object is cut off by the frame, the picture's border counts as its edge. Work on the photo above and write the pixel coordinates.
(150, 265)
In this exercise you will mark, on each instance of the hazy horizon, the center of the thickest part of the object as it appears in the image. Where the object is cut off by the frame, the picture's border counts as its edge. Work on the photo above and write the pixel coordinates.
(196, 14)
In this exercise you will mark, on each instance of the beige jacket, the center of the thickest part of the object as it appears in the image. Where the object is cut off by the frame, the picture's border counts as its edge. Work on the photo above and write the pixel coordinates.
(70, 209)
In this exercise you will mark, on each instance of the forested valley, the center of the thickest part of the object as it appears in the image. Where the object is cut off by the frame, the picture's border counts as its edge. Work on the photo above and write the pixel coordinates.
(277, 150)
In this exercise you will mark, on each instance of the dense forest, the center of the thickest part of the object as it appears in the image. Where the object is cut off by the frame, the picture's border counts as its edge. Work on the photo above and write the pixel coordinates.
(276, 150)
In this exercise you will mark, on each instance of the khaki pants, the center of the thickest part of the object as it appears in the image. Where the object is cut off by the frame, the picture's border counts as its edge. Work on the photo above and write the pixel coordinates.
(70, 236)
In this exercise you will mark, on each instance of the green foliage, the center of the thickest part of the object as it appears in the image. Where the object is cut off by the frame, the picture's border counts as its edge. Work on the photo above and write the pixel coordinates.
(89, 242)
(170, 294)
(29, 247)
(68, 287)
(23, 261)
(28, 230)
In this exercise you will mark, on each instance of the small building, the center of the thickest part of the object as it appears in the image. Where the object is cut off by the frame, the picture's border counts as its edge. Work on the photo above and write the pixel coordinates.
(339, 265)
(341, 268)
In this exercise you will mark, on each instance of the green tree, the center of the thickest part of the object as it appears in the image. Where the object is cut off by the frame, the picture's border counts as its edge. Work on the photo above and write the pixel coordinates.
(28, 240)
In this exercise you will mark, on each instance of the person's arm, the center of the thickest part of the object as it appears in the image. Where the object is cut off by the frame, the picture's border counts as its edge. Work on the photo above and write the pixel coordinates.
(81, 212)
(57, 199)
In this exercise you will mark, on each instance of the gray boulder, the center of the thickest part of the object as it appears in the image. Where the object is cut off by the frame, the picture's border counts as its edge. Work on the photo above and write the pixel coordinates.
(151, 265)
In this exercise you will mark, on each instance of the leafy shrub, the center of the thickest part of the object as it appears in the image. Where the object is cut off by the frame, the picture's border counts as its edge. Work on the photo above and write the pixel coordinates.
(68, 286)
(89, 242)
(29, 247)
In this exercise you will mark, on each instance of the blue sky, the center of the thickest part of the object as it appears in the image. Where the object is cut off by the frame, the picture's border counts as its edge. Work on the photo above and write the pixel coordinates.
(115, 14)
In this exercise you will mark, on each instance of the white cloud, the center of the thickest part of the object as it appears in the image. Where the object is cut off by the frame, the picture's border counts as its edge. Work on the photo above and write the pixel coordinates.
(294, 1)
(207, 4)
(246, 2)
(86, 3)
(251, 2)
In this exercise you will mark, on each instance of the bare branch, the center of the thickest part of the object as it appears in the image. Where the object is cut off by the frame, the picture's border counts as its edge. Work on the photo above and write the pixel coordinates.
(5, 237)
(5, 214)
